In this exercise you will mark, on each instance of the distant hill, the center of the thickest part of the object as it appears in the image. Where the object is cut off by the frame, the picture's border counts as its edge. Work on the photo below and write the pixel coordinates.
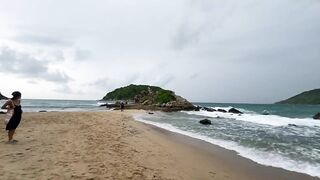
(308, 97)
(2, 97)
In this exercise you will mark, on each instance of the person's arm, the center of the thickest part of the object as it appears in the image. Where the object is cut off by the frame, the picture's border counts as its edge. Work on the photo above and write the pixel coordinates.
(8, 105)
(5, 106)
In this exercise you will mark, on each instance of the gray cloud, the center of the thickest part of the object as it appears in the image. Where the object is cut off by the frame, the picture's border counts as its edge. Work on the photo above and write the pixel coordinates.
(47, 40)
(208, 50)
(81, 54)
(185, 36)
(102, 83)
(25, 66)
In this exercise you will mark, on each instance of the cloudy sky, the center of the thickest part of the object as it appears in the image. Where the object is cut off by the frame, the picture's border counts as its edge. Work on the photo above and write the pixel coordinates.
(209, 50)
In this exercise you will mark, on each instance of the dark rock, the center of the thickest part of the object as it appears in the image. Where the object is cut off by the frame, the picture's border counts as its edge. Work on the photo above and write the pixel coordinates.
(209, 109)
(42, 111)
(222, 110)
(1, 112)
(265, 112)
(147, 102)
(317, 116)
(150, 113)
(197, 108)
(110, 105)
(235, 111)
(292, 125)
(205, 122)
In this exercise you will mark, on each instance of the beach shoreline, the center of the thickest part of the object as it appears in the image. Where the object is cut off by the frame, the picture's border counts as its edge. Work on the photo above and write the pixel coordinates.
(112, 145)
(230, 159)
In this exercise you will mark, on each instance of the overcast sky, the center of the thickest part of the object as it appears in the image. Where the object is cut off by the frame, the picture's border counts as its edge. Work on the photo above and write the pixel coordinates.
(205, 50)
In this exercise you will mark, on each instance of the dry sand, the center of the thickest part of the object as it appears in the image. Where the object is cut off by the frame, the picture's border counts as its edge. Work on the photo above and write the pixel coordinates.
(111, 145)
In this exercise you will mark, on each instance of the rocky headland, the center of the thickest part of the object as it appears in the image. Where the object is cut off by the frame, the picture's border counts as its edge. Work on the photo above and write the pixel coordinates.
(147, 98)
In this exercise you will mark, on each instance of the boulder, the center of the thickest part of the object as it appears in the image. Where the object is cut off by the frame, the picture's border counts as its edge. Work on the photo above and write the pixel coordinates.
(147, 102)
(205, 122)
(197, 108)
(1, 112)
(170, 104)
(235, 111)
(265, 112)
(110, 105)
(209, 109)
(222, 110)
(317, 116)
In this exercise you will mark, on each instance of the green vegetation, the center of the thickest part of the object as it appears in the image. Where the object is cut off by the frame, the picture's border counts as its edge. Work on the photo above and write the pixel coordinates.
(308, 97)
(130, 92)
(164, 96)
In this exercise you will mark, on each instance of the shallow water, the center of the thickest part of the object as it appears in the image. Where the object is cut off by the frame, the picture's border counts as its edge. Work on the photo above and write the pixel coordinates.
(271, 140)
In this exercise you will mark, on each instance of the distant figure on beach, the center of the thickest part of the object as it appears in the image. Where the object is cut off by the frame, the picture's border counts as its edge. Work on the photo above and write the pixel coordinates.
(122, 106)
(14, 114)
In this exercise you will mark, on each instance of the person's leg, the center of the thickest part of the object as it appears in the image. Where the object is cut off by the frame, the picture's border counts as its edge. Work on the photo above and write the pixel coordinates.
(10, 134)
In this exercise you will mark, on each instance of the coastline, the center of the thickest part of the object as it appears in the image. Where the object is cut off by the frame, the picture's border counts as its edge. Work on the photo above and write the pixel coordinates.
(229, 160)
(112, 145)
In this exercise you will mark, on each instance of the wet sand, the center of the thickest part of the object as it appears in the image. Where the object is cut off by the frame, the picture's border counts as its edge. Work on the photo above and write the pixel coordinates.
(111, 145)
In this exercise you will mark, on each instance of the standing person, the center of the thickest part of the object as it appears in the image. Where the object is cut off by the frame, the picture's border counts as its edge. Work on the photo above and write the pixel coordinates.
(14, 104)
(122, 106)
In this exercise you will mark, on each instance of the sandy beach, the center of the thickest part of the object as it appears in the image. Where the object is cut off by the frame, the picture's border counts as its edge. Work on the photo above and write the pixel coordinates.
(111, 145)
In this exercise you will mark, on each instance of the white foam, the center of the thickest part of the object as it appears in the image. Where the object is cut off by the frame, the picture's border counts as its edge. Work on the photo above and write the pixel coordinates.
(264, 158)
(272, 120)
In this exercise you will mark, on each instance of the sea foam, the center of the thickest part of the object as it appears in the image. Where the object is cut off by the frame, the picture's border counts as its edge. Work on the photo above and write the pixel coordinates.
(272, 120)
(264, 158)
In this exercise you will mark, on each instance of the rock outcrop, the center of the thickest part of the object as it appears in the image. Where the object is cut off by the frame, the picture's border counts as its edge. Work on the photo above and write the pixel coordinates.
(149, 98)
(265, 112)
(222, 110)
(205, 122)
(235, 111)
(317, 116)
(208, 109)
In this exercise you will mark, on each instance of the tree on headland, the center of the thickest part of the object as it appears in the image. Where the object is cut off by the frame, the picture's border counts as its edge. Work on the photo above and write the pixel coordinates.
(132, 92)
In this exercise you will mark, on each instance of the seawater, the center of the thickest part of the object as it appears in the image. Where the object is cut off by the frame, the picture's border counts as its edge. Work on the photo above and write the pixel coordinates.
(288, 138)
(35, 105)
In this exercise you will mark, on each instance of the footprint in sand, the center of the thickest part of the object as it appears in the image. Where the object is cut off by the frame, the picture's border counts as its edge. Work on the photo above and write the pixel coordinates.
(19, 154)
(213, 174)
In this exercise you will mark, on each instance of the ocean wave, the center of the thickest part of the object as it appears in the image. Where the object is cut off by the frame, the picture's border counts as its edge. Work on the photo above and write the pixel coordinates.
(261, 157)
(272, 120)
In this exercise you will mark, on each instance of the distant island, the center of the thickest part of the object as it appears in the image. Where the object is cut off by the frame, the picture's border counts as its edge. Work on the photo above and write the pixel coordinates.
(148, 98)
(307, 97)
(2, 97)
